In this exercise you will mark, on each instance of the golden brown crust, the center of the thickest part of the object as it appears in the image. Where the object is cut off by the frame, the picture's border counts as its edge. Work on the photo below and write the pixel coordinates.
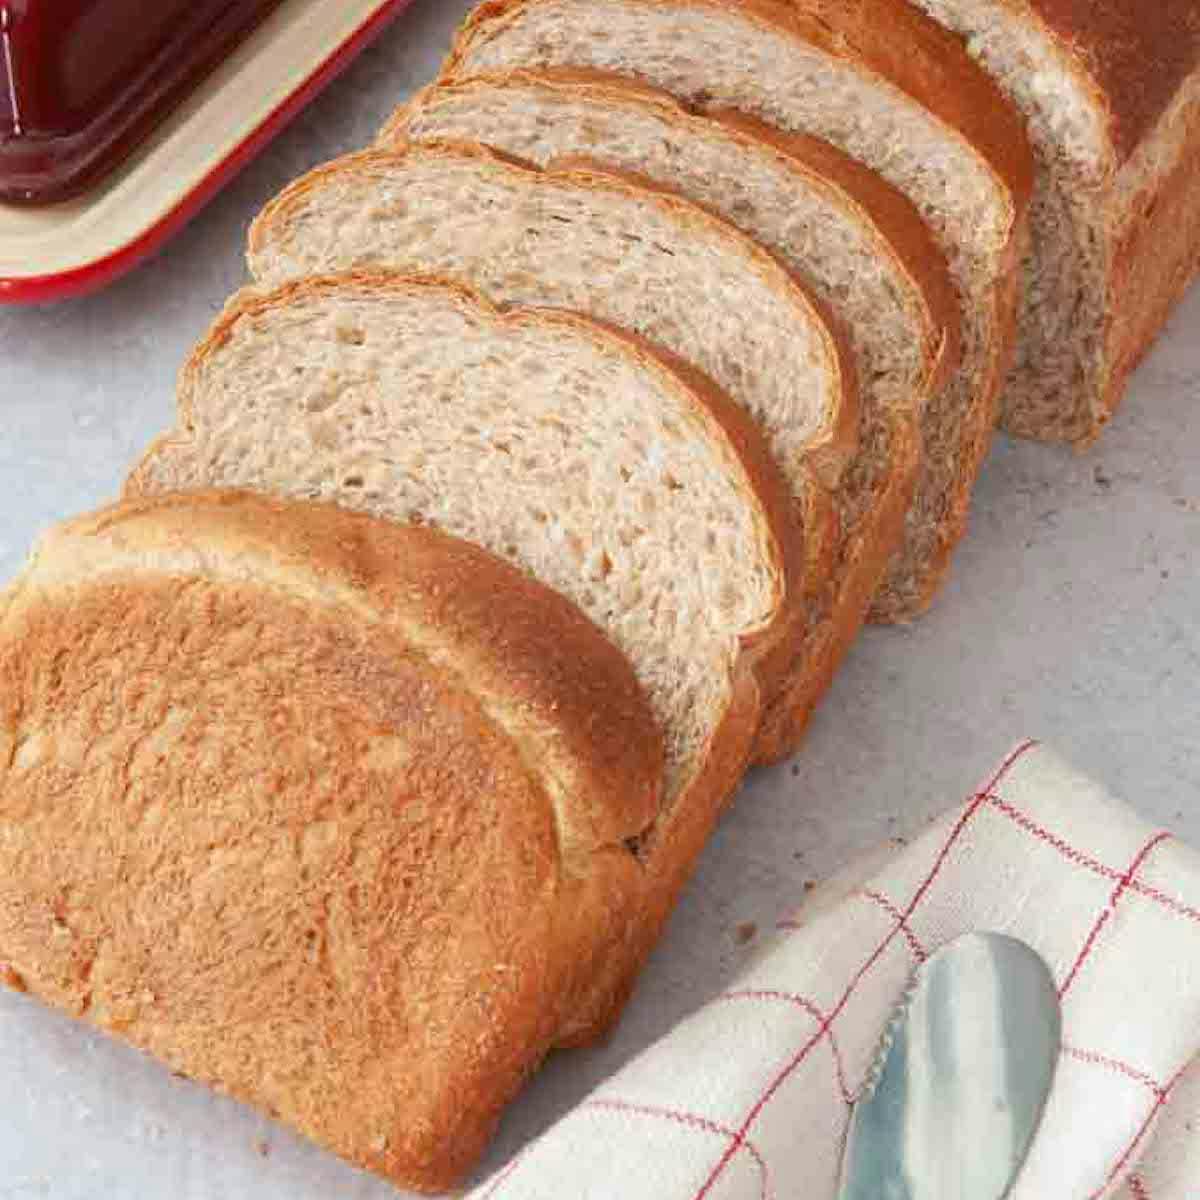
(270, 817)
(502, 631)
(831, 445)
(1136, 53)
(865, 558)
(670, 852)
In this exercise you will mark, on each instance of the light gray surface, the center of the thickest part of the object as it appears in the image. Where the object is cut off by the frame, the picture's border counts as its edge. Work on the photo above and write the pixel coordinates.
(1074, 615)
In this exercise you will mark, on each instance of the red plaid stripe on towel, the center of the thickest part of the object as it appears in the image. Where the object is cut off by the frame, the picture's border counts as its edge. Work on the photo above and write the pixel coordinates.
(749, 1099)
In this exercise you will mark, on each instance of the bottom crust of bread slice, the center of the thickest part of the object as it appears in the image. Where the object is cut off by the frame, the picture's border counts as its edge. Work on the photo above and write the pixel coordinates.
(325, 811)
(567, 448)
(857, 243)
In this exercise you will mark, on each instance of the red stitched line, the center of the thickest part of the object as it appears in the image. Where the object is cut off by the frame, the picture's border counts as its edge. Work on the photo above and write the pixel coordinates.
(1084, 860)
(1099, 1060)
(813, 1011)
(1168, 902)
(503, 1177)
(1068, 851)
(1110, 908)
(888, 907)
(693, 1121)
(1159, 1101)
(977, 801)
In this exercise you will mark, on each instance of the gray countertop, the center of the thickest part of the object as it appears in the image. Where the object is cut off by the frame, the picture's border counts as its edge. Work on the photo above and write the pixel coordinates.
(1073, 615)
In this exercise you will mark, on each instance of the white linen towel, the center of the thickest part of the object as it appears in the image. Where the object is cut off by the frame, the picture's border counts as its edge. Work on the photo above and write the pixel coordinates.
(750, 1098)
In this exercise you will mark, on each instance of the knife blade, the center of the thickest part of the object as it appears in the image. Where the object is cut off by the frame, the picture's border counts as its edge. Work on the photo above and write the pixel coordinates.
(961, 1079)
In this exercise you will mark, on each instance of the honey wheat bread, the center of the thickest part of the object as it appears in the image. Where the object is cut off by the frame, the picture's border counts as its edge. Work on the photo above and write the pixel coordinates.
(324, 811)
(884, 84)
(567, 448)
(856, 242)
(1111, 91)
(593, 243)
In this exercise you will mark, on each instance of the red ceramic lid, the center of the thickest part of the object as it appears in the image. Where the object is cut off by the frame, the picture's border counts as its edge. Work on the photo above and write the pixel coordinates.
(51, 251)
(83, 81)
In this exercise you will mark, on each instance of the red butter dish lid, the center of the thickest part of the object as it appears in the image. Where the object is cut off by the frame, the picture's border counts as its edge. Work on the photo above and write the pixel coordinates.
(120, 118)
(81, 81)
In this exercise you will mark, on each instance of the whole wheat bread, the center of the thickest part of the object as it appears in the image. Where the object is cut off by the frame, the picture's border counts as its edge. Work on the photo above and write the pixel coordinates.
(1111, 91)
(855, 241)
(327, 812)
(567, 448)
(590, 242)
(887, 86)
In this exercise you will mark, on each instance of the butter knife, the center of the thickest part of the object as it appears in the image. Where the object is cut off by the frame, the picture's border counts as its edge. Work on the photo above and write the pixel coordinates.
(961, 1078)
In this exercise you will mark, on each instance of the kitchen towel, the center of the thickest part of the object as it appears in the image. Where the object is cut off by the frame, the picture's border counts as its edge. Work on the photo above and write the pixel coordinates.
(750, 1098)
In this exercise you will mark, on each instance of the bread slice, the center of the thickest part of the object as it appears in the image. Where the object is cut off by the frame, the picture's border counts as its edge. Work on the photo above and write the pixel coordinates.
(885, 85)
(562, 446)
(858, 244)
(327, 812)
(1111, 92)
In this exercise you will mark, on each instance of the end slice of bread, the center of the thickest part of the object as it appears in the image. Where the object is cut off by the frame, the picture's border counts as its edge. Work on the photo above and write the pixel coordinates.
(329, 813)
(856, 242)
(567, 448)
(1111, 94)
(883, 84)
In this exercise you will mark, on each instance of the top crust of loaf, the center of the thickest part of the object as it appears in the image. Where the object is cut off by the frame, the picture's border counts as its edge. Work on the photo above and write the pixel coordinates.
(891, 38)
(283, 791)
(1135, 54)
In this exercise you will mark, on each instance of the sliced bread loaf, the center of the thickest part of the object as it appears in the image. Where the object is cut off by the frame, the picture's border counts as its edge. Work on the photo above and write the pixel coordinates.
(327, 812)
(856, 242)
(567, 448)
(895, 92)
(1111, 91)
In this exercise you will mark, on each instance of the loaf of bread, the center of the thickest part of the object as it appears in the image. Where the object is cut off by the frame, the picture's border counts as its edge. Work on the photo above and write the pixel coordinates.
(332, 814)
(538, 487)
(558, 444)
(885, 85)
(1111, 91)
(856, 242)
